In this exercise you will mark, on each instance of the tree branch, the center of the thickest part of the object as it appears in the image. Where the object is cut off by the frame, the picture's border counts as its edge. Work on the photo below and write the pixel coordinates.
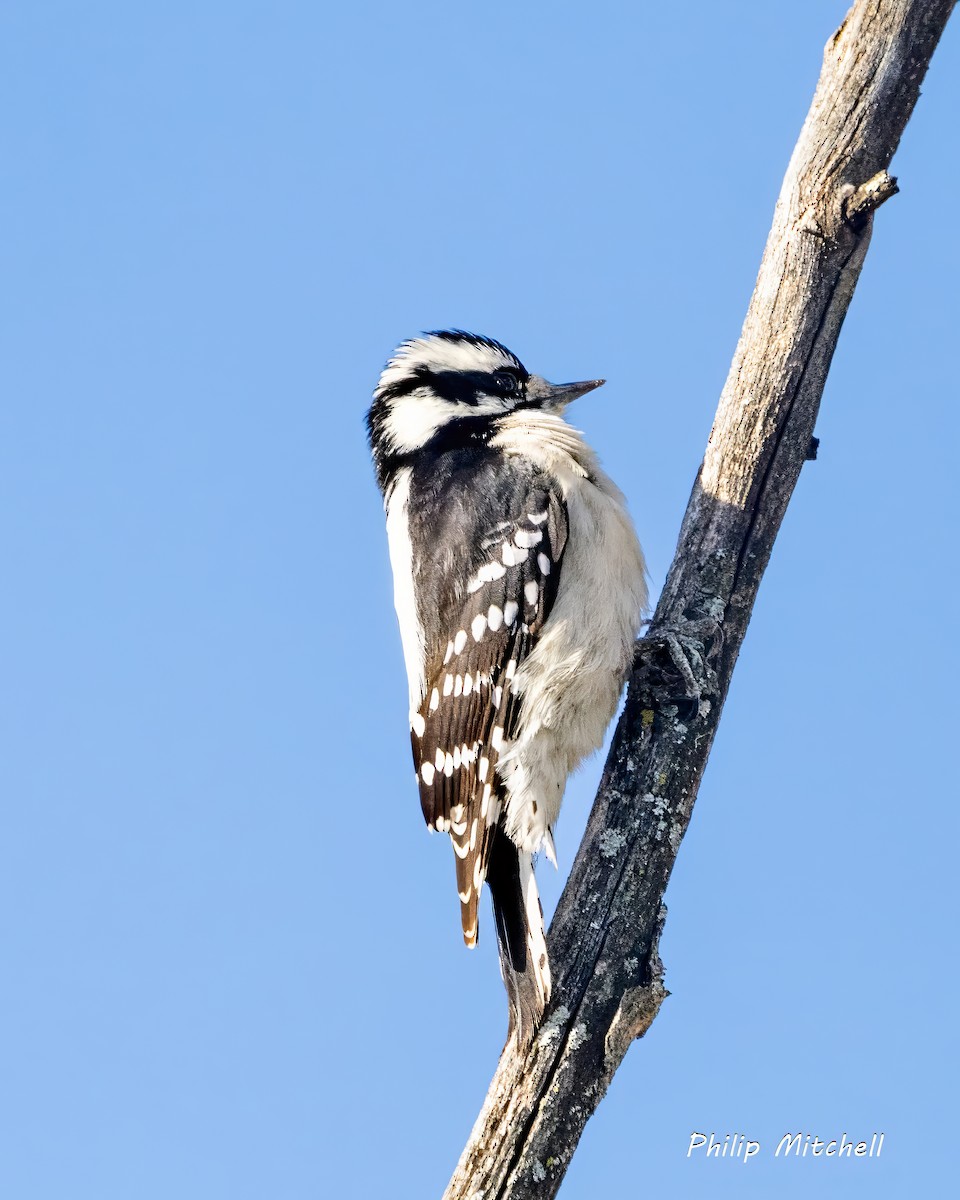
(608, 978)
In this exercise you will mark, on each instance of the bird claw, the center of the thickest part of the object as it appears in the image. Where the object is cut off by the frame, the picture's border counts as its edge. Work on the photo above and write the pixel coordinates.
(678, 665)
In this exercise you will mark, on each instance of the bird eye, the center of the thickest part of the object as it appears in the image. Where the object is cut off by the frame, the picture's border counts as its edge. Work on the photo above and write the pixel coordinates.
(506, 382)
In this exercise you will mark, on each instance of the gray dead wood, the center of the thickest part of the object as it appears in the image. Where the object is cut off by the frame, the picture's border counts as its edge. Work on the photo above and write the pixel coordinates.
(608, 978)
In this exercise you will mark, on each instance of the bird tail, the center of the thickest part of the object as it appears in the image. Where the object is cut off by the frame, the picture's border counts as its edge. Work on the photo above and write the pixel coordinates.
(523, 946)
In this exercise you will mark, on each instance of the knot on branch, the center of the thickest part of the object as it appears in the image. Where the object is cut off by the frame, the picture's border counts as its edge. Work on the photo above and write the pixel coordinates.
(858, 204)
(637, 1009)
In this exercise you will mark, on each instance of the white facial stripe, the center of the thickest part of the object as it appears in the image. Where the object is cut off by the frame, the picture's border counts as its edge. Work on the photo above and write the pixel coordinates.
(441, 354)
(412, 419)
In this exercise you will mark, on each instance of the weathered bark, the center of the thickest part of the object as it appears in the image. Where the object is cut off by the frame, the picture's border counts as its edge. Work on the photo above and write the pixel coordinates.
(604, 938)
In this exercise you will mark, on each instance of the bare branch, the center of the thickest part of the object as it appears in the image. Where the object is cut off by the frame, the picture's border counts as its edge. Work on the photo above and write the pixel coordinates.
(604, 939)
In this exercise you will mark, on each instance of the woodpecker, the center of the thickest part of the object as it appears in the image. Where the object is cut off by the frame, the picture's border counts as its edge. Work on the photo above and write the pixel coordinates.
(519, 586)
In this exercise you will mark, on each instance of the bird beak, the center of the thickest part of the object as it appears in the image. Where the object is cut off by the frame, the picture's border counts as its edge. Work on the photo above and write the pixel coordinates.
(554, 397)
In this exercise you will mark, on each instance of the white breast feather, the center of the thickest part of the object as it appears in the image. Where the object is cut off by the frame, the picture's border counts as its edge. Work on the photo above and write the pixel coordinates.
(572, 680)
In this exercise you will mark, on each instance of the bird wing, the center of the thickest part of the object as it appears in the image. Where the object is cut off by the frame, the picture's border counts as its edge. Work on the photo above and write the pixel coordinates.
(470, 709)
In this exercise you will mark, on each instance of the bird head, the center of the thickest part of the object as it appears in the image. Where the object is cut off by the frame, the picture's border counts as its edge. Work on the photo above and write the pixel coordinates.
(449, 376)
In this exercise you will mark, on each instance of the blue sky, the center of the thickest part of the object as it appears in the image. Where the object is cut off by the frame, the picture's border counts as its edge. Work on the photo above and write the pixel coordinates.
(232, 960)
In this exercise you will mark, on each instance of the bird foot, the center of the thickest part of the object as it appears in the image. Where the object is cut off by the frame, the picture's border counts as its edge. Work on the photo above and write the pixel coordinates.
(676, 666)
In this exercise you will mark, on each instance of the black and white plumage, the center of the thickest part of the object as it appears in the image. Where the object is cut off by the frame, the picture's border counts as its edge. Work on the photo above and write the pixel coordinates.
(519, 585)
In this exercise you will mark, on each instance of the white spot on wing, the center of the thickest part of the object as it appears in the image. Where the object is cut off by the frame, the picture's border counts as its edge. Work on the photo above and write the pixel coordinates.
(426, 774)
(525, 538)
(477, 626)
(418, 724)
(544, 563)
(531, 591)
(487, 574)
(459, 641)
(434, 700)
(494, 617)
(510, 610)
